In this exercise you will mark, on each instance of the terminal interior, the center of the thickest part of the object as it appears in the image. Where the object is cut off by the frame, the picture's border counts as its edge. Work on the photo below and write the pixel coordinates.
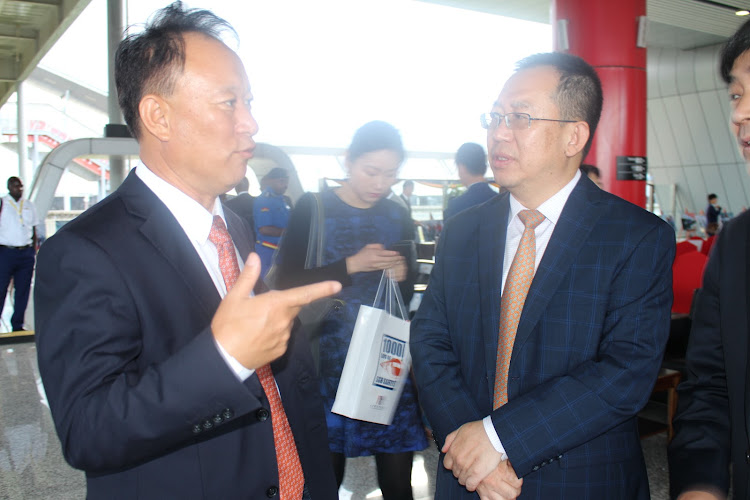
(56, 101)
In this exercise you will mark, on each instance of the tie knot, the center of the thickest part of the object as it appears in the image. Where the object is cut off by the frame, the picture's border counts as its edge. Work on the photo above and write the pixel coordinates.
(531, 218)
(219, 234)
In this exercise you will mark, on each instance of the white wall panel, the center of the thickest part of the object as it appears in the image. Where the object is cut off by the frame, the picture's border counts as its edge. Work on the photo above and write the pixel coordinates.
(698, 126)
(653, 151)
(680, 131)
(667, 72)
(698, 189)
(653, 90)
(685, 74)
(663, 131)
(707, 68)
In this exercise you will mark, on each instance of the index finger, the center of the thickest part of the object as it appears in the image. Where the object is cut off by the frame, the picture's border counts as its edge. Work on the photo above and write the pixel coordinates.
(303, 295)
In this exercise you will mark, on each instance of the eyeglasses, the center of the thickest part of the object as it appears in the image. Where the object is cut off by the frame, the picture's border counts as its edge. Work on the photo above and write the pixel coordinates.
(514, 121)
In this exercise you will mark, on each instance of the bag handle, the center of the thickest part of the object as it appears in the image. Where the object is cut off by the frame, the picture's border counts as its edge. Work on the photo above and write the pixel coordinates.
(389, 291)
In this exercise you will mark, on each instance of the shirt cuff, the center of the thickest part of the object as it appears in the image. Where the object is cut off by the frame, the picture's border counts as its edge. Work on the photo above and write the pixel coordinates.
(240, 371)
(494, 438)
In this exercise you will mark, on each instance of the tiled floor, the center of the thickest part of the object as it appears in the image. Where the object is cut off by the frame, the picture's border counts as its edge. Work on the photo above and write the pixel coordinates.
(32, 468)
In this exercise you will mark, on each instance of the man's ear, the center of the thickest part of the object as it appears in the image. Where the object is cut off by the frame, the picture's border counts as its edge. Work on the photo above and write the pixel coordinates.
(579, 135)
(154, 114)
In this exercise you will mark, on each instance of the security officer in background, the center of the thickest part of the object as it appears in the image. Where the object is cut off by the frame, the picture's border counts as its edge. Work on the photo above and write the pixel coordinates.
(271, 212)
(18, 242)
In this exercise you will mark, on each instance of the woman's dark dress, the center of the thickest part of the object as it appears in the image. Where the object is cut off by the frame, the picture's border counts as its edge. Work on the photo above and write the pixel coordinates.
(347, 230)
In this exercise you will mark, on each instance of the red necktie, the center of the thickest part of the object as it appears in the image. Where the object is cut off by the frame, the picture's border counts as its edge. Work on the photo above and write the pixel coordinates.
(517, 285)
(291, 478)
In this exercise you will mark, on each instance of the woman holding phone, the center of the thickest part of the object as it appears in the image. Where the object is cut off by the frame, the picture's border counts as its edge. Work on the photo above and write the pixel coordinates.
(363, 234)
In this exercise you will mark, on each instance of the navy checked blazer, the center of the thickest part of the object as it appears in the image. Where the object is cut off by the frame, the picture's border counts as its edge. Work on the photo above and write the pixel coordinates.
(588, 347)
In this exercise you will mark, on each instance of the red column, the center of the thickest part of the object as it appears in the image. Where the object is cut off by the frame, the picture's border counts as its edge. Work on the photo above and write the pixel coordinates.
(605, 35)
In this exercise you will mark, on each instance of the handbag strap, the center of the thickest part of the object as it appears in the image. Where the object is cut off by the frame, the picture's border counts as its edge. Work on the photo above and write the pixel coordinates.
(314, 257)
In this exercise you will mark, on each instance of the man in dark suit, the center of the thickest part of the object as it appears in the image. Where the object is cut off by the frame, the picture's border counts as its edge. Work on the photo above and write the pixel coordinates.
(471, 162)
(553, 399)
(242, 204)
(153, 349)
(712, 422)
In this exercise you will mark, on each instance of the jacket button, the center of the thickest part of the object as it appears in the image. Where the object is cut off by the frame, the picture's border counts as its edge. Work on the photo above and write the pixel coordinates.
(218, 418)
(336, 306)
(747, 457)
(207, 424)
(197, 429)
(272, 492)
(262, 415)
(227, 414)
(535, 468)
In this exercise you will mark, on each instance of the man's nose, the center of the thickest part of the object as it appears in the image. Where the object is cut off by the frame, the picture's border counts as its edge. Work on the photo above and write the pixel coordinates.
(246, 123)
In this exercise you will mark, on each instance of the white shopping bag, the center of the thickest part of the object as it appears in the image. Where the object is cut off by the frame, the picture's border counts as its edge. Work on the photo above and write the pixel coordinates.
(378, 359)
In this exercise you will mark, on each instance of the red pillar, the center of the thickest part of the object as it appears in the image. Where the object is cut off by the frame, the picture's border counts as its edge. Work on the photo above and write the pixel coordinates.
(605, 35)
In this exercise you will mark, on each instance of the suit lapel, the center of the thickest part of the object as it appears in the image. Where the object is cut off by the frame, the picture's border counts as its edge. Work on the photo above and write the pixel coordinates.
(493, 225)
(570, 233)
(163, 231)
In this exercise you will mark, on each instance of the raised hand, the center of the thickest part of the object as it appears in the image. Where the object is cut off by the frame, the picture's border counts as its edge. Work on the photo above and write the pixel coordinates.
(255, 330)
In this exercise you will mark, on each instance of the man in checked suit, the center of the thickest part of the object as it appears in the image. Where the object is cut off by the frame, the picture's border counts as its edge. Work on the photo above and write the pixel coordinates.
(554, 400)
(712, 426)
(153, 349)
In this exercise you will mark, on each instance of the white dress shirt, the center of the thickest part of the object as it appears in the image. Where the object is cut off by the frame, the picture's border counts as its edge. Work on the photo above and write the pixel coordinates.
(196, 221)
(17, 222)
(551, 209)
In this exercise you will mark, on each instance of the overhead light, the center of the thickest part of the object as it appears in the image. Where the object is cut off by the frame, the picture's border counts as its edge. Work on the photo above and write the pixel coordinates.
(742, 13)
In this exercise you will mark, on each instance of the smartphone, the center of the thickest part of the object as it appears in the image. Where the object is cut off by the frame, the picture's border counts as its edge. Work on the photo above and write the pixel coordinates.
(404, 247)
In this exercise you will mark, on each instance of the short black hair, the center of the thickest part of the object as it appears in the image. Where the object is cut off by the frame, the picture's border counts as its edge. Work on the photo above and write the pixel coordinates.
(152, 60)
(472, 156)
(579, 93)
(407, 184)
(712, 196)
(13, 179)
(374, 136)
(734, 48)
(590, 169)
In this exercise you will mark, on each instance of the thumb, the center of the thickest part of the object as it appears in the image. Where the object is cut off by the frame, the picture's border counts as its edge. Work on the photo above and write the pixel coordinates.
(248, 277)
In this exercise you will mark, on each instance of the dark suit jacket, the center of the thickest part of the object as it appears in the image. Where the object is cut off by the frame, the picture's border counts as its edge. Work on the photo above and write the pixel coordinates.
(242, 205)
(476, 194)
(141, 398)
(588, 347)
(712, 418)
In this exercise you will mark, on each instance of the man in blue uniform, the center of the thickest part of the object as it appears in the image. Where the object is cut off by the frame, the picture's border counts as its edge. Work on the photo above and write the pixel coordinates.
(271, 212)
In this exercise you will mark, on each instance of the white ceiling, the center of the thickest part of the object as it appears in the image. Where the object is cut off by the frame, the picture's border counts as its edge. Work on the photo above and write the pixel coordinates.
(28, 29)
(681, 24)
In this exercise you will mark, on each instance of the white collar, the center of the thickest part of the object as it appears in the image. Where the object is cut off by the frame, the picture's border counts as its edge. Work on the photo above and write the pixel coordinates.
(553, 206)
(195, 220)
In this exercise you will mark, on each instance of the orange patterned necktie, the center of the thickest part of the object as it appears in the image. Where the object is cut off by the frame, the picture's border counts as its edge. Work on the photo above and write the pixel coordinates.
(517, 285)
(291, 478)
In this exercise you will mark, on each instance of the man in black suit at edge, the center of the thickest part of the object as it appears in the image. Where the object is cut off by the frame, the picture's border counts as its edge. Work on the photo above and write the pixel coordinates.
(711, 426)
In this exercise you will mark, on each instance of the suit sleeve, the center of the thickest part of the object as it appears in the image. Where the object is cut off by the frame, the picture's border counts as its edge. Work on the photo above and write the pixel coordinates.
(293, 252)
(699, 454)
(437, 369)
(111, 410)
(609, 388)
